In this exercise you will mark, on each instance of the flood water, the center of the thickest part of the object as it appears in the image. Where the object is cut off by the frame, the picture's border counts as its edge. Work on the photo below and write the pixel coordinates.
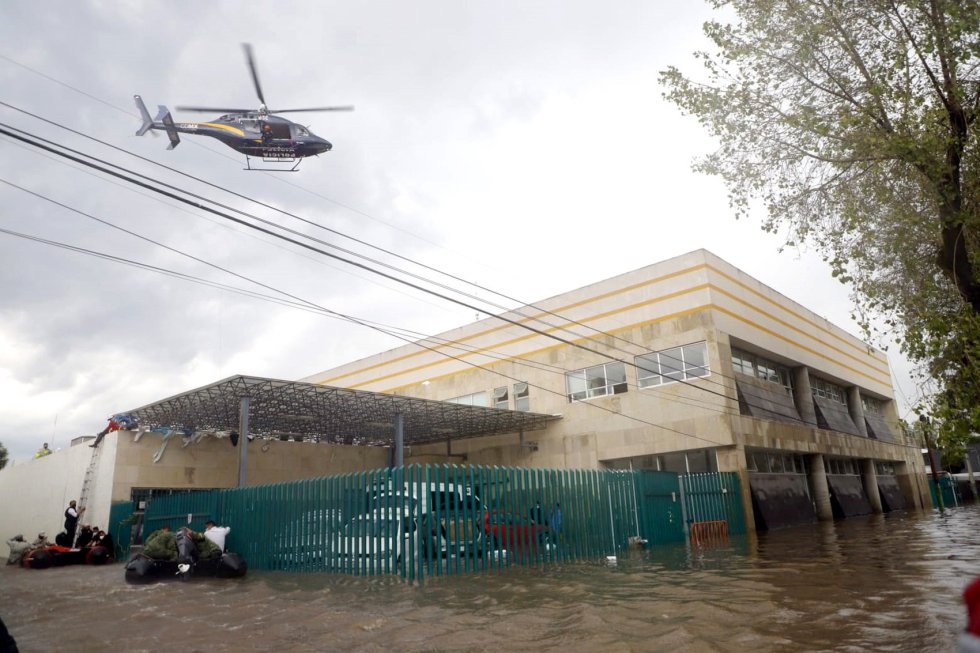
(864, 584)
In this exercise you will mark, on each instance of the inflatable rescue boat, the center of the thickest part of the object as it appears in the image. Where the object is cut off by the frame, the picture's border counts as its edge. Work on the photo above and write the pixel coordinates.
(141, 569)
(58, 556)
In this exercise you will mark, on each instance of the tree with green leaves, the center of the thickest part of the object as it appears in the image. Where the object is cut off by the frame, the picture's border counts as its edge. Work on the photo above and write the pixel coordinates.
(854, 122)
(3, 456)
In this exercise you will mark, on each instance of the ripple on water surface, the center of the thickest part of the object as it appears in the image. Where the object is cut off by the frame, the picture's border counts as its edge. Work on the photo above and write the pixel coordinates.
(875, 583)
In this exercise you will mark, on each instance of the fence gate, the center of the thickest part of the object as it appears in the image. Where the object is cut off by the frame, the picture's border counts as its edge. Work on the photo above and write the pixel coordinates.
(712, 506)
(661, 516)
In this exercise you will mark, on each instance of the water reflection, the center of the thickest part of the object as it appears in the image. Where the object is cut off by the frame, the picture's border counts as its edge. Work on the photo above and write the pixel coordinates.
(876, 583)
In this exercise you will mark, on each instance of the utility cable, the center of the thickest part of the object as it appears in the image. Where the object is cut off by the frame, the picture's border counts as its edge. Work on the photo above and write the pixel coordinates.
(50, 148)
(341, 234)
(344, 317)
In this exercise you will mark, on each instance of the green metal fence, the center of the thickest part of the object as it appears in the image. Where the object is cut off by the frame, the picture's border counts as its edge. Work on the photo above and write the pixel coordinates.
(120, 526)
(713, 497)
(425, 520)
(951, 494)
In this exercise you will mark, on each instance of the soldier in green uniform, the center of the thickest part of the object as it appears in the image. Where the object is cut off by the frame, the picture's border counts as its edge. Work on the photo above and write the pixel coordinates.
(161, 545)
(206, 549)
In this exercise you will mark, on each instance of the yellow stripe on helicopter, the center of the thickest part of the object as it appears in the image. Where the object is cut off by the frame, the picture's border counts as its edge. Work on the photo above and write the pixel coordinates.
(233, 130)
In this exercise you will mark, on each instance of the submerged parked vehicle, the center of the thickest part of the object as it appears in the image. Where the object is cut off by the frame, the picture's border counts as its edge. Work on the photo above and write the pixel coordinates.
(510, 532)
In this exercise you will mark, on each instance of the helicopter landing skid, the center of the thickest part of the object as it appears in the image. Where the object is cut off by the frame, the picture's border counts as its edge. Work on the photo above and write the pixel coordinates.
(295, 168)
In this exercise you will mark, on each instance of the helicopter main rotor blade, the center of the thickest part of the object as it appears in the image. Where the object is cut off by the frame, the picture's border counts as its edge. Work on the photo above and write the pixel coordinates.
(255, 73)
(347, 108)
(215, 110)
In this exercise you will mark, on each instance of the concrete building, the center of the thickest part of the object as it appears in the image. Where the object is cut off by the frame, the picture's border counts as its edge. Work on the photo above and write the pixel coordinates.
(688, 365)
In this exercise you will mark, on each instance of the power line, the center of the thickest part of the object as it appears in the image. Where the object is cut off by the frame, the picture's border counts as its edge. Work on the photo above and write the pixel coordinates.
(347, 251)
(40, 143)
(305, 305)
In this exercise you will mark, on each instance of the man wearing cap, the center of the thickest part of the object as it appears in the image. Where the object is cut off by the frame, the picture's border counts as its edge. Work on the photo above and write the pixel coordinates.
(18, 547)
(41, 541)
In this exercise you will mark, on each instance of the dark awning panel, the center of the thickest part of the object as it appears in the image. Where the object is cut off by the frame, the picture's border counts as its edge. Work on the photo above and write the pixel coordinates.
(847, 492)
(891, 494)
(780, 500)
(878, 428)
(321, 413)
(834, 416)
(765, 402)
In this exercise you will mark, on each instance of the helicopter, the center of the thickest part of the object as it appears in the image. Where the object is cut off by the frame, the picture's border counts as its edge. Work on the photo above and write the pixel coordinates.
(255, 133)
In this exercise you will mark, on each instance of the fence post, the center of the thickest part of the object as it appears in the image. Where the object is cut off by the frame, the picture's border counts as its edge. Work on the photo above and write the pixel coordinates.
(682, 481)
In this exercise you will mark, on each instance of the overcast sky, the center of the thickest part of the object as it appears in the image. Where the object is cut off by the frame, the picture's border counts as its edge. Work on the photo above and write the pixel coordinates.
(524, 146)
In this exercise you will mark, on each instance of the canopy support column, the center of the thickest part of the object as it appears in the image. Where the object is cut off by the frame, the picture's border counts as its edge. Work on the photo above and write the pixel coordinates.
(399, 440)
(243, 440)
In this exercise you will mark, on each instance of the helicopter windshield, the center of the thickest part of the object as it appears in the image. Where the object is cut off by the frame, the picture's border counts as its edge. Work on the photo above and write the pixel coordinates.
(302, 131)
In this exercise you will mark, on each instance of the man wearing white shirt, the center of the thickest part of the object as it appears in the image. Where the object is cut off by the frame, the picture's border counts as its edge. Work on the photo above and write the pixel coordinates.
(216, 534)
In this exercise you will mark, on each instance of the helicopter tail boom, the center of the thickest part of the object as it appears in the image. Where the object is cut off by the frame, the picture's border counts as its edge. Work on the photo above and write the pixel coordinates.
(163, 122)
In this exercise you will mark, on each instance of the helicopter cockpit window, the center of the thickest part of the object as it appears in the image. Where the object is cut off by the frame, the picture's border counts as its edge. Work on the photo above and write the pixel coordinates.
(302, 131)
(250, 126)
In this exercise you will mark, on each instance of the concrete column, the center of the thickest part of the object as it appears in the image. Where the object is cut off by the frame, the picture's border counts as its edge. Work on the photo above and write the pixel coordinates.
(914, 486)
(804, 397)
(870, 479)
(742, 467)
(819, 489)
(856, 408)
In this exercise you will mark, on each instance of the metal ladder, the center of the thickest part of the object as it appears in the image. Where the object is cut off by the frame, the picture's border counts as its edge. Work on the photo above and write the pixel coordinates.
(88, 483)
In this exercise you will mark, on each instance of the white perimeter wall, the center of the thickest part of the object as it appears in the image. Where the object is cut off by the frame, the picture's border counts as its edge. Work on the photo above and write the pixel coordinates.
(35, 493)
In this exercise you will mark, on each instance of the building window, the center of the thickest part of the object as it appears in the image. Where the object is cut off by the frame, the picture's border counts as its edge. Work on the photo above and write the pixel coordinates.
(873, 406)
(598, 381)
(774, 463)
(669, 365)
(500, 398)
(475, 399)
(828, 390)
(841, 466)
(522, 397)
(762, 368)
(884, 468)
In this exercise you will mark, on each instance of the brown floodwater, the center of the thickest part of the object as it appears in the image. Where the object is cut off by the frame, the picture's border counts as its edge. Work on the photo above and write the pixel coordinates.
(864, 584)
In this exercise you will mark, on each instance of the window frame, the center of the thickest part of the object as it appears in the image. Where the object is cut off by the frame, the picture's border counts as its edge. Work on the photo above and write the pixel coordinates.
(651, 365)
(501, 403)
(522, 397)
(821, 387)
(471, 396)
(588, 390)
(762, 368)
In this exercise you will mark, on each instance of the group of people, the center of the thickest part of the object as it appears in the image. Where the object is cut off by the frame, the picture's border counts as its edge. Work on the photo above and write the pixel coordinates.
(89, 537)
(185, 544)
(19, 547)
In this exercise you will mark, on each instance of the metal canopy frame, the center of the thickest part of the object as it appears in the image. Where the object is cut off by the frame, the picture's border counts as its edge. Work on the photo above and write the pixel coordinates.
(283, 410)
